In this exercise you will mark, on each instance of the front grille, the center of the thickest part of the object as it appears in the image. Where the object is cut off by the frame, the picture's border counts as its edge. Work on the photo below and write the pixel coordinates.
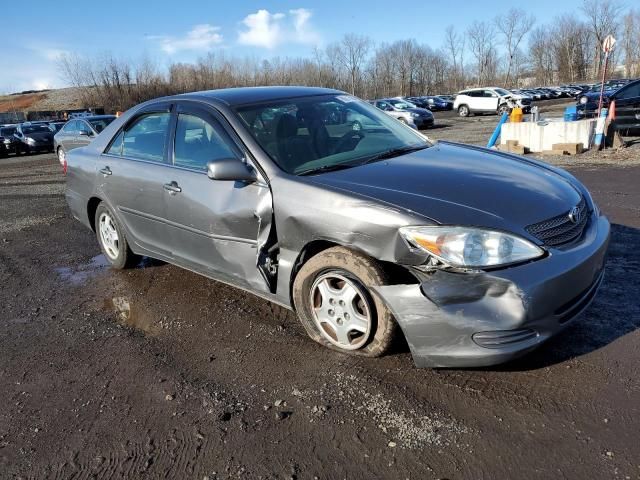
(561, 229)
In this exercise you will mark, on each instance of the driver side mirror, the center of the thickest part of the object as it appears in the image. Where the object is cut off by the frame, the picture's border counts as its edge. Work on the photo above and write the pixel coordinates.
(230, 169)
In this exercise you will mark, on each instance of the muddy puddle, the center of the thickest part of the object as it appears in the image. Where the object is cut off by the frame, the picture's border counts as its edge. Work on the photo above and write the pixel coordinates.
(129, 314)
(82, 274)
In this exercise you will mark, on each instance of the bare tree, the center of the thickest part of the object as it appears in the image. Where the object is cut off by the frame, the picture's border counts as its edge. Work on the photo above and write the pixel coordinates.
(352, 53)
(454, 46)
(631, 43)
(603, 17)
(481, 37)
(513, 26)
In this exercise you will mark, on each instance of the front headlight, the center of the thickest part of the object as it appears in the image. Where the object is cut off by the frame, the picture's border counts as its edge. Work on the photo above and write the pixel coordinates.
(415, 115)
(30, 140)
(468, 247)
(584, 100)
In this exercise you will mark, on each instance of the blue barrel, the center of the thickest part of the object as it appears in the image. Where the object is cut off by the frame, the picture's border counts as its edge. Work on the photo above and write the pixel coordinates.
(570, 114)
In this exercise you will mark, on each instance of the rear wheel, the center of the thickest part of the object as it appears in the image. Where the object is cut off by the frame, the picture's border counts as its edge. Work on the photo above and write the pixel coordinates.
(112, 240)
(463, 111)
(62, 156)
(333, 301)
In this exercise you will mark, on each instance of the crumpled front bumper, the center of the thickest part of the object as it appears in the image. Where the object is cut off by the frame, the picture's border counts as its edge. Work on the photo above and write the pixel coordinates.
(486, 318)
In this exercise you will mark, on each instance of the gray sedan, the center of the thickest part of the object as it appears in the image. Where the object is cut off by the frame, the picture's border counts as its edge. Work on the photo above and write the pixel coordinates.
(475, 256)
(79, 133)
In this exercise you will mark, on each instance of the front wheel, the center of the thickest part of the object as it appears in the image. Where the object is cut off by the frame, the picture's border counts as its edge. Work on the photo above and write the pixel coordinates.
(504, 108)
(333, 301)
(112, 240)
(463, 111)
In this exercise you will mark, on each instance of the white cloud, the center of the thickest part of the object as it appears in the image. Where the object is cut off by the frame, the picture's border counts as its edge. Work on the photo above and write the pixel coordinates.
(268, 30)
(199, 38)
(52, 54)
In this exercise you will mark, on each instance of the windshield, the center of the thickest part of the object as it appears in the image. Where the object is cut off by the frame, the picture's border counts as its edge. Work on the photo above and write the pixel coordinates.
(401, 104)
(325, 132)
(36, 129)
(100, 124)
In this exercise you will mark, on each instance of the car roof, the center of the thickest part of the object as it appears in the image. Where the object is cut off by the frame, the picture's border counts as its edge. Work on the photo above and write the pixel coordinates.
(92, 117)
(247, 95)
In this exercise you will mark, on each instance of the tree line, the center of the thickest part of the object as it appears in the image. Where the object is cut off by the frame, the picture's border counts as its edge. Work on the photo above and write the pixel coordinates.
(511, 50)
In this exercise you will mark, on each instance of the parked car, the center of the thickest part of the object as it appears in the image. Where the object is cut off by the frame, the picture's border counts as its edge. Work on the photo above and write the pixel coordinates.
(487, 100)
(8, 143)
(476, 256)
(431, 102)
(406, 112)
(627, 112)
(78, 133)
(32, 137)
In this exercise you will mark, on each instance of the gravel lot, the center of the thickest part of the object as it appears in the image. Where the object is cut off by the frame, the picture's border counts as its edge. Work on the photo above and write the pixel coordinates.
(156, 372)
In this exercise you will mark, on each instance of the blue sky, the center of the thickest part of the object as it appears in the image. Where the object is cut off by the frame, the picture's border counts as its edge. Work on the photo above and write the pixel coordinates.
(37, 32)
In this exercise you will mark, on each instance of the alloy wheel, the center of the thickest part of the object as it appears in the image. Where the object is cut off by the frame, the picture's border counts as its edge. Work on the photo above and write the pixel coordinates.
(109, 235)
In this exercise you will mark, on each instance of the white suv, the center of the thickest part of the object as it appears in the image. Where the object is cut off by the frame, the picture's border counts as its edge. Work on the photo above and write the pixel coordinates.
(488, 100)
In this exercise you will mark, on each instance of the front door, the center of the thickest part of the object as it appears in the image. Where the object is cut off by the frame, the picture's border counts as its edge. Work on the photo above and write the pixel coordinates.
(133, 174)
(215, 224)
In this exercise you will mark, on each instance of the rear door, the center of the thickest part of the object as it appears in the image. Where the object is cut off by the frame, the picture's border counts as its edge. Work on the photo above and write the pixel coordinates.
(628, 108)
(133, 172)
(215, 224)
(67, 136)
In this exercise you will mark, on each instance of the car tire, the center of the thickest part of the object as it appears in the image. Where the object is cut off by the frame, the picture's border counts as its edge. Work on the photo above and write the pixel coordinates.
(340, 273)
(503, 108)
(112, 239)
(463, 111)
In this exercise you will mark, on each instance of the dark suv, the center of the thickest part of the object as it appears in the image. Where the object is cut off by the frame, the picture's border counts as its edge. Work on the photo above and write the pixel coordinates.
(627, 112)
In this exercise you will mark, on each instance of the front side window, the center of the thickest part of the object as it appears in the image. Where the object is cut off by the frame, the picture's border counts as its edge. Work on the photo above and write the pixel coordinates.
(146, 137)
(84, 128)
(317, 133)
(198, 142)
(70, 127)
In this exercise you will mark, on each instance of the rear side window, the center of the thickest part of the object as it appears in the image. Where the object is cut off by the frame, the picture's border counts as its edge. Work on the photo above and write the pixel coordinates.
(198, 142)
(146, 137)
(632, 91)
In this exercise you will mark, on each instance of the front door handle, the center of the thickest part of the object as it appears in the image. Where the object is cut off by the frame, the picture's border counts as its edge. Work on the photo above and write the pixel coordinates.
(172, 188)
(106, 171)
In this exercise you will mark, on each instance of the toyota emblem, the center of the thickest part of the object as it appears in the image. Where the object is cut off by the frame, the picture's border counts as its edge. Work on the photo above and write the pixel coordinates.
(575, 215)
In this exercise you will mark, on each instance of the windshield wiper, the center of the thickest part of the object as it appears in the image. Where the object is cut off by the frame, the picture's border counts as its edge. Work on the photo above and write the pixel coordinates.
(325, 168)
(394, 152)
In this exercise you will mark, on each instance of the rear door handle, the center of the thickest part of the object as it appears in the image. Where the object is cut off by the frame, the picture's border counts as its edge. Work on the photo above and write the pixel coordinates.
(172, 188)
(106, 171)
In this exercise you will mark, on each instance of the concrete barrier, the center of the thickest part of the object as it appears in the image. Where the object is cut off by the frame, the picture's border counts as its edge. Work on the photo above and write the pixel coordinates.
(541, 136)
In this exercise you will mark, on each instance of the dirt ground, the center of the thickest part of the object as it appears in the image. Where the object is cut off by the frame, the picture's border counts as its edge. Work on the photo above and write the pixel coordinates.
(157, 372)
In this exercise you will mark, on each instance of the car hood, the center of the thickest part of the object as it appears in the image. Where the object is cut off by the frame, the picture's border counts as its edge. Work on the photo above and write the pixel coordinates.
(462, 185)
